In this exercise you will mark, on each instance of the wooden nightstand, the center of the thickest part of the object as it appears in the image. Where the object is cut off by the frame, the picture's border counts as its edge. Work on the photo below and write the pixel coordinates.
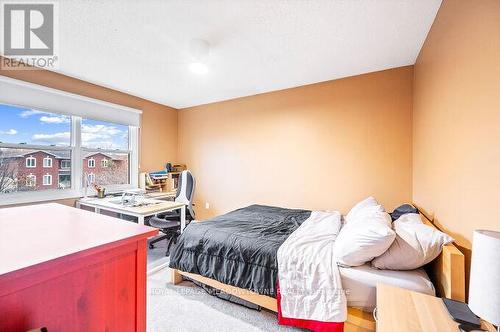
(401, 310)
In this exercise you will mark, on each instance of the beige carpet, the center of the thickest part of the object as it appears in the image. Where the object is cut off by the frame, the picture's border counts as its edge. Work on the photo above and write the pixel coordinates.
(186, 307)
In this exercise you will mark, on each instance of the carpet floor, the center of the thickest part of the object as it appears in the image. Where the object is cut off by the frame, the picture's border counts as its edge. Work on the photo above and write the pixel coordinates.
(187, 307)
(156, 256)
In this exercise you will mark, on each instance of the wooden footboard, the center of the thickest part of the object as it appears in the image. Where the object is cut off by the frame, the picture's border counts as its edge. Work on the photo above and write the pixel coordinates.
(245, 294)
(357, 320)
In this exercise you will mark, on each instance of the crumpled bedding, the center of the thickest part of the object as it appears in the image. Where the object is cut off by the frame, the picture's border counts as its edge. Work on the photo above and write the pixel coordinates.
(309, 277)
(238, 248)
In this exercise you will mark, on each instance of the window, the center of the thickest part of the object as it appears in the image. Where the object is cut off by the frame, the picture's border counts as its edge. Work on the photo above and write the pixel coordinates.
(91, 178)
(33, 141)
(71, 135)
(17, 169)
(47, 162)
(107, 144)
(117, 170)
(47, 180)
(64, 181)
(65, 164)
(31, 162)
(104, 135)
(26, 126)
(30, 180)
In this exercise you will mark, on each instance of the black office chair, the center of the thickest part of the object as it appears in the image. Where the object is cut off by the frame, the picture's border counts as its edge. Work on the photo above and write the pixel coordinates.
(170, 223)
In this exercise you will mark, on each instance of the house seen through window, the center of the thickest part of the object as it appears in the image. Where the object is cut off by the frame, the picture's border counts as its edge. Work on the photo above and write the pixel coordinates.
(106, 159)
(30, 180)
(47, 162)
(65, 164)
(47, 180)
(37, 144)
(31, 162)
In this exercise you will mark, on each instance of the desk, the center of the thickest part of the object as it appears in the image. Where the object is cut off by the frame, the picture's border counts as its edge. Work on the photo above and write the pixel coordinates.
(140, 212)
(162, 194)
(71, 270)
(401, 310)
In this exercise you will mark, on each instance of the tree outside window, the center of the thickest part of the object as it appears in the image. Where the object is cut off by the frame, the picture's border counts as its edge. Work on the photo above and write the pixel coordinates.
(30, 180)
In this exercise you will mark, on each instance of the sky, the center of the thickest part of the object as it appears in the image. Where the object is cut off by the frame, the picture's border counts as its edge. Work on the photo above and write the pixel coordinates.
(24, 125)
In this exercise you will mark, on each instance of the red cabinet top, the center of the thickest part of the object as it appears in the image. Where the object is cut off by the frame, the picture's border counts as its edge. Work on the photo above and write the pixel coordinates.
(34, 234)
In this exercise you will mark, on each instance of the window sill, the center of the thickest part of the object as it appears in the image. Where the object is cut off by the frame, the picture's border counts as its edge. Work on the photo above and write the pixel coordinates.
(36, 197)
(54, 194)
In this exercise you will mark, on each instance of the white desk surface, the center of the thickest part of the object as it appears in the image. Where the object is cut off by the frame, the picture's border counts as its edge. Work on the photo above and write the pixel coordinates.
(146, 210)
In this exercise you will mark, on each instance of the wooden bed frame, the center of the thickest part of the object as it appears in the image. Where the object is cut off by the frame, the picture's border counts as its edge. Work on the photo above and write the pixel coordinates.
(447, 272)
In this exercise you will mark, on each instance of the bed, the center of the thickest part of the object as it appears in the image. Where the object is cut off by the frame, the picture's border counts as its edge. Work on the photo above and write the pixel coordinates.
(360, 284)
(236, 253)
(238, 248)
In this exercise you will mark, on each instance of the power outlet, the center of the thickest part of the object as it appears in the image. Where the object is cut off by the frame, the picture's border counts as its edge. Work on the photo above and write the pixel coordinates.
(207, 205)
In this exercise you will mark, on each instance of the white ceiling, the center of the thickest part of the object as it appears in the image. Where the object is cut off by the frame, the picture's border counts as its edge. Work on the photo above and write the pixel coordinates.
(142, 47)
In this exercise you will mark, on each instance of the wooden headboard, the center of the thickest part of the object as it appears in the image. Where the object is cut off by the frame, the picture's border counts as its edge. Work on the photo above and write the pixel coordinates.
(447, 272)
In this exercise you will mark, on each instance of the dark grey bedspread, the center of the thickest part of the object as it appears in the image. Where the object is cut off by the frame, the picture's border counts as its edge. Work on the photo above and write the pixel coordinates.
(238, 248)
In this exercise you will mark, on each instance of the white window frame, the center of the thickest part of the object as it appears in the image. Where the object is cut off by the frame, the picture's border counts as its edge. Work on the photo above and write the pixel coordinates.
(64, 161)
(27, 95)
(104, 163)
(50, 162)
(91, 161)
(48, 176)
(27, 162)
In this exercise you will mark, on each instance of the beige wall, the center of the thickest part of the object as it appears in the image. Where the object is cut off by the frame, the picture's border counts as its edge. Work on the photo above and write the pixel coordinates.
(456, 150)
(158, 138)
(321, 146)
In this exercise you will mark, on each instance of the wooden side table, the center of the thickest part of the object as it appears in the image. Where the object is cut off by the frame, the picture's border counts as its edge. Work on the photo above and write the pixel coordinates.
(401, 310)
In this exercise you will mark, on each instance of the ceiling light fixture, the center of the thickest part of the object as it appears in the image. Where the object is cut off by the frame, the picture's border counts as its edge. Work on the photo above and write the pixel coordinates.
(199, 50)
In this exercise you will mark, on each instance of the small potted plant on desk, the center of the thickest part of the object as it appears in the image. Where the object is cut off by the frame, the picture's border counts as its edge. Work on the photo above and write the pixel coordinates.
(100, 190)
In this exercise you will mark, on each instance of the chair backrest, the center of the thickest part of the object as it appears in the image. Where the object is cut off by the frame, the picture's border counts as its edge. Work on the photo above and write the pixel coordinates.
(185, 191)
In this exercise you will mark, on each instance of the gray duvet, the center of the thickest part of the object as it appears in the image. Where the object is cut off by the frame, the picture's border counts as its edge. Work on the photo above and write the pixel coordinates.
(238, 248)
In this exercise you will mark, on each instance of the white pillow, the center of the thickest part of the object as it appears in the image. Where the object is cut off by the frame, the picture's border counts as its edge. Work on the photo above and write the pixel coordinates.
(363, 238)
(416, 244)
(369, 203)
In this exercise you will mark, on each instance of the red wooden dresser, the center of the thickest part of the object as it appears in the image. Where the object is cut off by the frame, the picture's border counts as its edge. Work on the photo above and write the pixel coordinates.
(71, 270)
